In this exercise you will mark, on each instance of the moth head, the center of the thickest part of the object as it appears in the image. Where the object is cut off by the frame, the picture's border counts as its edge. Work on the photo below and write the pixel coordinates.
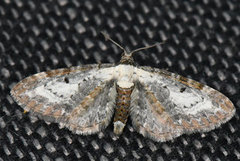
(127, 57)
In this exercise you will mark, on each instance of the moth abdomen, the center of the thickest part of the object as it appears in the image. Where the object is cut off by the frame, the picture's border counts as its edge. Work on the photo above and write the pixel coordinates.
(122, 109)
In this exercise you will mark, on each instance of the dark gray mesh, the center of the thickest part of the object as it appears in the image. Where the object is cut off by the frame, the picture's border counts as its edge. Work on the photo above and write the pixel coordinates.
(202, 42)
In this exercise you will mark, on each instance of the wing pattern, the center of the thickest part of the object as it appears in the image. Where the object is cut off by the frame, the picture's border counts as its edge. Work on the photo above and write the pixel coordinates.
(75, 97)
(166, 105)
(163, 105)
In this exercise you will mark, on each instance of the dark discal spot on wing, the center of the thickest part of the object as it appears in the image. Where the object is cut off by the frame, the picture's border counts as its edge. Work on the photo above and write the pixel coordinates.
(182, 117)
(31, 82)
(182, 89)
(66, 79)
(89, 96)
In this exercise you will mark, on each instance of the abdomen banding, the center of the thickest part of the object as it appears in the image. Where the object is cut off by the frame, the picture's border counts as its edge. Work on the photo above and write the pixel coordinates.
(122, 109)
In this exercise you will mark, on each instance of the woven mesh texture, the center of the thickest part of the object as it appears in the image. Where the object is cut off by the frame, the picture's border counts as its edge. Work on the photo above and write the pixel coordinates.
(202, 41)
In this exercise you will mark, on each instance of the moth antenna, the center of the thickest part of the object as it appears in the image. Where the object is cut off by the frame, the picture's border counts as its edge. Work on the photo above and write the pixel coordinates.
(146, 47)
(107, 37)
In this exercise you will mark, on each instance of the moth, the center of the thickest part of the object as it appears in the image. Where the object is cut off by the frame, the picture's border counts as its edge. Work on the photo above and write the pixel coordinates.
(161, 105)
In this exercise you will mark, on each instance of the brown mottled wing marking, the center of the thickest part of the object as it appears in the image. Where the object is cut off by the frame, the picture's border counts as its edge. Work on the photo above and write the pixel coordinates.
(62, 95)
(94, 112)
(166, 105)
(149, 116)
(225, 108)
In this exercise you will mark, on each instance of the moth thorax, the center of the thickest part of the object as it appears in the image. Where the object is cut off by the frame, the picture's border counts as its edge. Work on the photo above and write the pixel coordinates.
(122, 109)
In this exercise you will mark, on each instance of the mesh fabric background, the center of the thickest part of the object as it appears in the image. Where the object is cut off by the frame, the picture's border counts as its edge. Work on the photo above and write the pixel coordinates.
(202, 42)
